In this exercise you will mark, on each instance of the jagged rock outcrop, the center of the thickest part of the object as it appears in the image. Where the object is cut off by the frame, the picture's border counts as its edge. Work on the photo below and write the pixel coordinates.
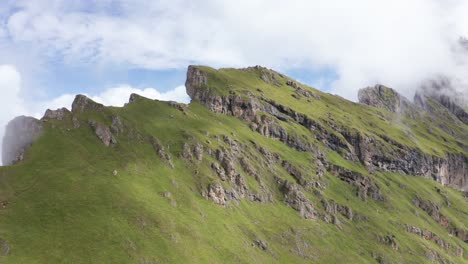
(134, 98)
(297, 200)
(441, 90)
(196, 85)
(160, 150)
(117, 126)
(384, 97)
(428, 235)
(295, 172)
(261, 244)
(451, 170)
(82, 103)
(365, 186)
(389, 240)
(58, 114)
(4, 248)
(103, 133)
(301, 91)
(267, 75)
(332, 209)
(179, 106)
(217, 194)
(20, 133)
(433, 210)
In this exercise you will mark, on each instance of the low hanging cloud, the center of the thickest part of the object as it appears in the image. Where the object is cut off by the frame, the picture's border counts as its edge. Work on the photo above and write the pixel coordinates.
(399, 43)
(12, 103)
(115, 96)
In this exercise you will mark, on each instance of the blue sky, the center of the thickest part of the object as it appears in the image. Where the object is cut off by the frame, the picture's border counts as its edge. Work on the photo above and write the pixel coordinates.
(51, 50)
(86, 79)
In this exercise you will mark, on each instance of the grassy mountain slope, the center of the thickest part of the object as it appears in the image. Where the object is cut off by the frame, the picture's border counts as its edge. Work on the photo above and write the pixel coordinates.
(63, 203)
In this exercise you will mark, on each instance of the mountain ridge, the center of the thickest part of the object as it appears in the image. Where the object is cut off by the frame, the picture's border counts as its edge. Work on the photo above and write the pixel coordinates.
(258, 167)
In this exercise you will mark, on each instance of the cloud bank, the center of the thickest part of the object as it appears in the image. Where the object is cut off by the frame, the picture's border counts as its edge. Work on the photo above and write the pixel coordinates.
(398, 43)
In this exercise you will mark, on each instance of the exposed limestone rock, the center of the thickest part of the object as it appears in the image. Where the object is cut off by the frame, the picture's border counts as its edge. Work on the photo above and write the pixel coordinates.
(269, 127)
(261, 244)
(187, 152)
(192, 152)
(269, 157)
(450, 170)
(433, 210)
(301, 91)
(117, 126)
(196, 79)
(384, 97)
(295, 198)
(428, 235)
(365, 186)
(4, 248)
(76, 122)
(103, 132)
(227, 162)
(295, 172)
(219, 170)
(330, 139)
(20, 133)
(381, 259)
(247, 167)
(83, 103)
(345, 211)
(58, 114)
(231, 104)
(217, 194)
(388, 240)
(441, 90)
(434, 256)
(159, 148)
(179, 106)
(198, 152)
(331, 210)
(268, 76)
(134, 98)
(240, 185)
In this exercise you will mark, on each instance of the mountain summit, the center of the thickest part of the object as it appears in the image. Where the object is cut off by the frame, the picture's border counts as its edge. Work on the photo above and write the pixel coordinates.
(258, 168)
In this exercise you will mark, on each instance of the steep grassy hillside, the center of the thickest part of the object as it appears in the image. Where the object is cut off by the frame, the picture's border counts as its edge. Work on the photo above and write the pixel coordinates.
(257, 169)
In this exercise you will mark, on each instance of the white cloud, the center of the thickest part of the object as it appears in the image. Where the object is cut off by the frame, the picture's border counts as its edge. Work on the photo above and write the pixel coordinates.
(13, 105)
(398, 43)
(114, 96)
(10, 101)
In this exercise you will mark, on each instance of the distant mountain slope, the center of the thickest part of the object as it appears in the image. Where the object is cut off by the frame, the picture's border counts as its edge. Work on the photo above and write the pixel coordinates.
(258, 168)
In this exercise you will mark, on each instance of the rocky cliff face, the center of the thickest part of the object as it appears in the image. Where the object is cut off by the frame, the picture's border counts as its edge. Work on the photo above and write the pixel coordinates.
(438, 94)
(449, 170)
(384, 97)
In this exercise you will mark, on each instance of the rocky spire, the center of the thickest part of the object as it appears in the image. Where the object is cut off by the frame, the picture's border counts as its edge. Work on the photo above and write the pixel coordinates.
(83, 103)
(383, 97)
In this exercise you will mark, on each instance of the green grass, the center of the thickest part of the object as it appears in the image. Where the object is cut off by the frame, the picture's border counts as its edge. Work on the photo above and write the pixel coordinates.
(65, 206)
